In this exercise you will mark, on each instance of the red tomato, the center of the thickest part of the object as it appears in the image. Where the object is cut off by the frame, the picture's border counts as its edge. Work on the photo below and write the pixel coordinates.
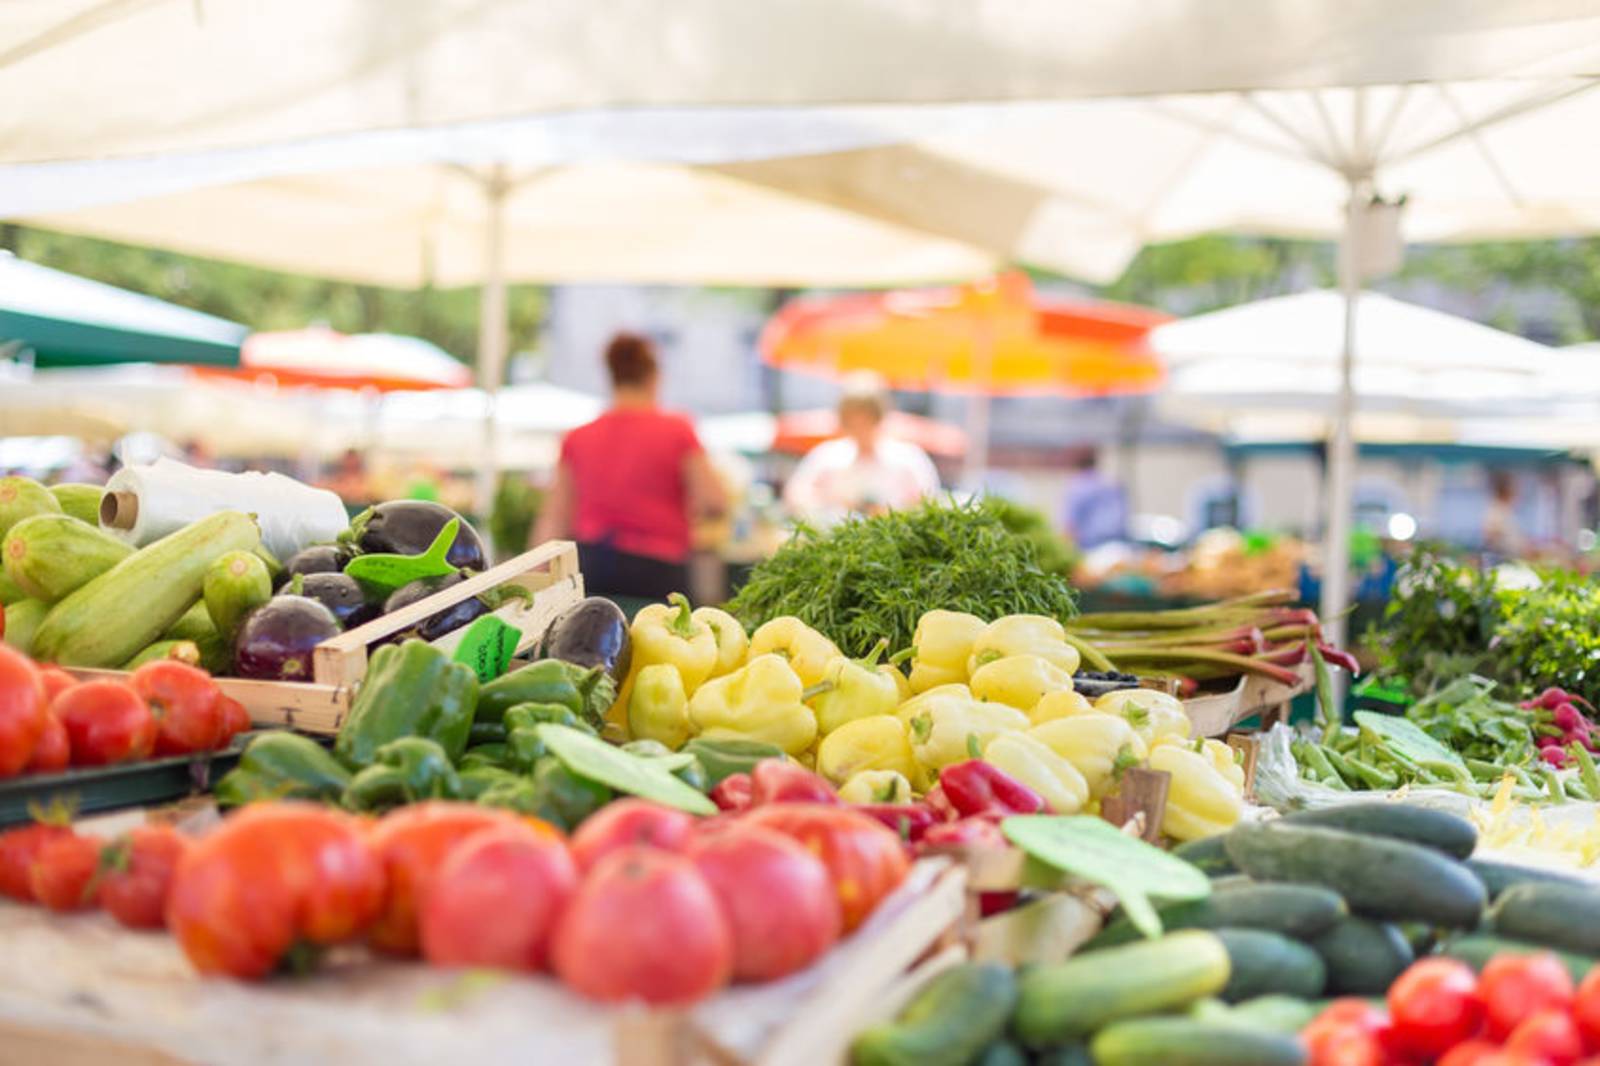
(56, 681)
(781, 781)
(1337, 1043)
(1585, 1006)
(107, 722)
(1513, 987)
(235, 719)
(1549, 1034)
(626, 823)
(863, 857)
(411, 844)
(776, 895)
(1509, 1057)
(18, 848)
(1435, 1006)
(496, 900)
(270, 877)
(137, 874)
(22, 710)
(183, 699)
(644, 925)
(53, 752)
(1471, 1053)
(63, 873)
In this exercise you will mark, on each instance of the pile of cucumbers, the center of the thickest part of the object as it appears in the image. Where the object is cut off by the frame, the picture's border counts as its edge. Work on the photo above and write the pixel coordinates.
(1317, 904)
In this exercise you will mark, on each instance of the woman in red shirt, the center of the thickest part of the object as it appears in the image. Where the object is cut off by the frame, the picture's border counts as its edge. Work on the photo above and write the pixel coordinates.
(629, 484)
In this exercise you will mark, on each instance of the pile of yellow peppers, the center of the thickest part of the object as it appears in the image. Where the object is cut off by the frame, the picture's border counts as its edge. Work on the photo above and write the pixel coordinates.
(1001, 691)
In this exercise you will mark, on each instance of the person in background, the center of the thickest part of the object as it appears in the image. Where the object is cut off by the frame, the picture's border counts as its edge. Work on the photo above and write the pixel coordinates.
(1500, 532)
(629, 484)
(349, 478)
(862, 471)
(1095, 511)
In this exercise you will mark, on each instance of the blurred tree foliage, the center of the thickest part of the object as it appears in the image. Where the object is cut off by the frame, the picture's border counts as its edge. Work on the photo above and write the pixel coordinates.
(1570, 268)
(1220, 270)
(266, 299)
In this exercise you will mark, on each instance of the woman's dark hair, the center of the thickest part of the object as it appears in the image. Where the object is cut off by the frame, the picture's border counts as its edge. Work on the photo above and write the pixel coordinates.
(631, 358)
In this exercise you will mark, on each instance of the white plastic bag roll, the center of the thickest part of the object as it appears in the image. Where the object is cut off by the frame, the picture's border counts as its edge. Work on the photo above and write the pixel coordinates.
(144, 503)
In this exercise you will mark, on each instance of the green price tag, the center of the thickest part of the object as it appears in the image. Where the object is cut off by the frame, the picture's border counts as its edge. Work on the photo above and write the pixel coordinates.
(390, 572)
(487, 646)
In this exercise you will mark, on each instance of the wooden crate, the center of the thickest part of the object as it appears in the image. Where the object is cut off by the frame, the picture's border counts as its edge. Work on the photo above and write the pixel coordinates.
(549, 573)
(1216, 715)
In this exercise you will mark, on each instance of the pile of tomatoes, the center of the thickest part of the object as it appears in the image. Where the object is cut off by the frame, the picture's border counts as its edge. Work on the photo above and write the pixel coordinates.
(1522, 1010)
(49, 720)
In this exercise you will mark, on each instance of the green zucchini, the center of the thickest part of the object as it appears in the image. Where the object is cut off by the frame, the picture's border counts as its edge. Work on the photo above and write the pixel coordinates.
(1558, 916)
(949, 1022)
(1441, 830)
(216, 654)
(22, 622)
(1208, 854)
(113, 617)
(10, 591)
(1378, 877)
(184, 651)
(234, 584)
(1299, 911)
(1421, 937)
(51, 555)
(1184, 1042)
(23, 497)
(1069, 1000)
(1363, 957)
(1499, 876)
(1476, 950)
(1260, 963)
(80, 501)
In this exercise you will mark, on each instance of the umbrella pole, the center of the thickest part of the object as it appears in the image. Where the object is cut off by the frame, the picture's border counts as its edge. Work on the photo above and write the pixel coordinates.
(1341, 450)
(492, 340)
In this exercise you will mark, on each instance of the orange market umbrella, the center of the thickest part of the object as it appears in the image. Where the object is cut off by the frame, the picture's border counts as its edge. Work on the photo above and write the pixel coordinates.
(797, 432)
(992, 338)
(326, 358)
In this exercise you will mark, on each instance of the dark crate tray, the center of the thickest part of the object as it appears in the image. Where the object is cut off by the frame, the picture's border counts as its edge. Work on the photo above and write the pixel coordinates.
(91, 789)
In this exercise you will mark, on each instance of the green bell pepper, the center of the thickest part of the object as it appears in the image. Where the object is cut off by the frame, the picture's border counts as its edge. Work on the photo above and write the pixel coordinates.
(524, 748)
(477, 780)
(487, 733)
(282, 765)
(587, 693)
(407, 770)
(411, 690)
(491, 755)
(724, 758)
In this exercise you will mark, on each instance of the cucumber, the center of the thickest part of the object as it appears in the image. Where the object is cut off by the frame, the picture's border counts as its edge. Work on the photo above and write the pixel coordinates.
(1209, 854)
(1261, 963)
(23, 497)
(1300, 911)
(949, 1022)
(113, 617)
(1184, 1042)
(1002, 1053)
(184, 651)
(80, 501)
(1558, 916)
(234, 584)
(1065, 1055)
(1476, 950)
(1072, 999)
(52, 555)
(22, 622)
(1420, 937)
(1499, 876)
(1363, 957)
(1378, 877)
(1440, 830)
(1272, 1013)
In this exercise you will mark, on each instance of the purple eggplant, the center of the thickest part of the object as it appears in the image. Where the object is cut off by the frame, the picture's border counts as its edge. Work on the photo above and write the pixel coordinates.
(408, 527)
(317, 559)
(275, 640)
(341, 595)
(438, 624)
(592, 632)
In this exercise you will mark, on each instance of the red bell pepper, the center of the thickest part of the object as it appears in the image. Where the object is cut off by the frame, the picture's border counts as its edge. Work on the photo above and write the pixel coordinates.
(937, 802)
(976, 789)
(776, 781)
(910, 820)
(733, 792)
(968, 832)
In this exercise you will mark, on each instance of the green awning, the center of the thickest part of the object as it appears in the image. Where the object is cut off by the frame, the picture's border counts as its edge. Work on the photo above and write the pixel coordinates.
(65, 320)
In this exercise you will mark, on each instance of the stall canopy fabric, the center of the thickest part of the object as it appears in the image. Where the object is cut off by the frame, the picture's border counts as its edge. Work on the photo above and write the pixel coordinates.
(64, 320)
(99, 79)
(326, 358)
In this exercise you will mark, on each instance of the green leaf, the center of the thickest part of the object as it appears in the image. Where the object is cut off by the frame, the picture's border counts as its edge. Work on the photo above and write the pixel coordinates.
(1098, 852)
(649, 779)
(390, 572)
(1406, 739)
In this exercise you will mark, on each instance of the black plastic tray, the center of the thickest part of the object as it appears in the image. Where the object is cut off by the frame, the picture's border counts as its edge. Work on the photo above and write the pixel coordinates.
(104, 788)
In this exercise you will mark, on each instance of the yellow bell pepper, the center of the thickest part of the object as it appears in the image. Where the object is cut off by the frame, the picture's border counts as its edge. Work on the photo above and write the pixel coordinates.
(942, 642)
(947, 724)
(668, 633)
(876, 786)
(658, 708)
(1034, 764)
(909, 709)
(876, 743)
(854, 688)
(1099, 745)
(808, 651)
(1062, 704)
(733, 643)
(1200, 801)
(1221, 757)
(1152, 714)
(1023, 634)
(897, 677)
(1019, 681)
(758, 701)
